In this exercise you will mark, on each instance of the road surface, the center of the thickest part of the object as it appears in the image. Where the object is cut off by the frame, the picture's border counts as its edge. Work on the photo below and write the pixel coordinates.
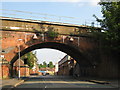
(47, 82)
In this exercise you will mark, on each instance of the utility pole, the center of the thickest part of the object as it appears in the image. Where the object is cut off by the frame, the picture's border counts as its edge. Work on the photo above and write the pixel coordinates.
(19, 59)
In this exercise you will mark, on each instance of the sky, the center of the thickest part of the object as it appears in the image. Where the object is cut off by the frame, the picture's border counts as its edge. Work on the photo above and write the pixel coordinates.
(65, 11)
(48, 55)
(74, 11)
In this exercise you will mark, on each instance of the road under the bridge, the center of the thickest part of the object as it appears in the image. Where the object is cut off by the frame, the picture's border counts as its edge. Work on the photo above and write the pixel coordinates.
(59, 82)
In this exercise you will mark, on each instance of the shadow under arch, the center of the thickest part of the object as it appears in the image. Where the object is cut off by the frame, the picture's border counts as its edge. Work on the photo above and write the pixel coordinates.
(70, 50)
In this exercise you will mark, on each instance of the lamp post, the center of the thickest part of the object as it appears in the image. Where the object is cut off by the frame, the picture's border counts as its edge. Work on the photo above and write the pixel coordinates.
(19, 59)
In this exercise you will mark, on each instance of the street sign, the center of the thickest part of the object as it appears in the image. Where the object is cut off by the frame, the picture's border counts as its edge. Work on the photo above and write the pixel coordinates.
(2, 56)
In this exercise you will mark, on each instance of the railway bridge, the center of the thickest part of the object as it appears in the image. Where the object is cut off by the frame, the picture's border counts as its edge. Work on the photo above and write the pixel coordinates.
(24, 35)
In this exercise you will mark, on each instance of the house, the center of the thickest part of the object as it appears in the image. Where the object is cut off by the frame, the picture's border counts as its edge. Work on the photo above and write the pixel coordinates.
(24, 69)
(47, 70)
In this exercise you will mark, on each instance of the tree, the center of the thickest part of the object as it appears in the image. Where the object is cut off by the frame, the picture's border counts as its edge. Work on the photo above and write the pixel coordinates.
(40, 65)
(111, 24)
(50, 65)
(51, 32)
(44, 64)
(31, 59)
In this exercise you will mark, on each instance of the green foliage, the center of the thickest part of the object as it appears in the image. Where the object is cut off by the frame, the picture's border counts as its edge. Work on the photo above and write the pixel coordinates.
(111, 23)
(40, 65)
(44, 65)
(51, 33)
(31, 59)
(50, 65)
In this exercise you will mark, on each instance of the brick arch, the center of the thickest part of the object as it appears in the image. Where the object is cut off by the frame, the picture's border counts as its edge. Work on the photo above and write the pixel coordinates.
(70, 50)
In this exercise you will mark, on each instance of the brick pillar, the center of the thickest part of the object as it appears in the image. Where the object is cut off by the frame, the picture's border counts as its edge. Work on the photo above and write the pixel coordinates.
(4, 69)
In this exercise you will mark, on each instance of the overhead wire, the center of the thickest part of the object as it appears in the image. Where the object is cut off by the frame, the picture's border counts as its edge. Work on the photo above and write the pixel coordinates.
(38, 13)
(46, 16)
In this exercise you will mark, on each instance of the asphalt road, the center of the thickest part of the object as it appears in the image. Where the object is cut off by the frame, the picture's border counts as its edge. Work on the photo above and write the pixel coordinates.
(46, 82)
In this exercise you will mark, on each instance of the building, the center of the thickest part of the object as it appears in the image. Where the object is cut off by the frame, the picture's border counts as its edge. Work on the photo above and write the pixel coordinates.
(47, 70)
(4, 68)
(66, 66)
(24, 69)
(56, 68)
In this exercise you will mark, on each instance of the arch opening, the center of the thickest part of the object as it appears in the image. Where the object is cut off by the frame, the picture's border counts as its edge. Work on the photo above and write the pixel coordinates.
(49, 55)
(71, 51)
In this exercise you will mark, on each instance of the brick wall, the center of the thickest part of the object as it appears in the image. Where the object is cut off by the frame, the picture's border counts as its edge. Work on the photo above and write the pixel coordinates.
(24, 71)
(4, 72)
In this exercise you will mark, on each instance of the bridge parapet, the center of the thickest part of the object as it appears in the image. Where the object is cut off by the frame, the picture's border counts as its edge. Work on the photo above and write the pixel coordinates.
(43, 26)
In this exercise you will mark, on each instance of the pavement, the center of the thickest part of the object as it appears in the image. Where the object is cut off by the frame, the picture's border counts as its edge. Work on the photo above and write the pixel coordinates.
(11, 83)
(112, 82)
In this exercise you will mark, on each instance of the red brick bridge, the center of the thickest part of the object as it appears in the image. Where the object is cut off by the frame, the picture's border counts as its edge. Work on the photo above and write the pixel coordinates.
(28, 35)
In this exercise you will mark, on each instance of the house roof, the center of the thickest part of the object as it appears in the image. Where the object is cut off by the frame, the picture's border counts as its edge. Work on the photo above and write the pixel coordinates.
(45, 69)
(21, 63)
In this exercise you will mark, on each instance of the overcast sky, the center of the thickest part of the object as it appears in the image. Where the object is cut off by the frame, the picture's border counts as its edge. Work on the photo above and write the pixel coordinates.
(49, 55)
(81, 10)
